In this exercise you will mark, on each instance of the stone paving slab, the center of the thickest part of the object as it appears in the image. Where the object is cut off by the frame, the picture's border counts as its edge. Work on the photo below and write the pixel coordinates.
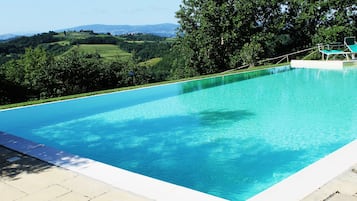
(114, 195)
(24, 178)
(8, 192)
(112, 176)
(341, 188)
(80, 185)
(45, 194)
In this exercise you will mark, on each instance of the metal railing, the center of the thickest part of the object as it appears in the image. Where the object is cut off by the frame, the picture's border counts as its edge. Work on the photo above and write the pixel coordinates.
(281, 58)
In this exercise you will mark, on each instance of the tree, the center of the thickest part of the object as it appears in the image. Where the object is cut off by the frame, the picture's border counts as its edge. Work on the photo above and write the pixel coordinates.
(320, 21)
(202, 34)
(26, 77)
(212, 33)
(250, 53)
(34, 62)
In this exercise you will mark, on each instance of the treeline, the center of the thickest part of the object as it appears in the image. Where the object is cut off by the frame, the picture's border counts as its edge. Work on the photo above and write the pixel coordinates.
(13, 48)
(218, 35)
(213, 36)
(36, 67)
(142, 37)
(38, 74)
(144, 51)
(142, 46)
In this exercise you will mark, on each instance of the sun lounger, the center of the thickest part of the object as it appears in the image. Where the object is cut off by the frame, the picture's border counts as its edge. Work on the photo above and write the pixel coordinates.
(328, 51)
(351, 44)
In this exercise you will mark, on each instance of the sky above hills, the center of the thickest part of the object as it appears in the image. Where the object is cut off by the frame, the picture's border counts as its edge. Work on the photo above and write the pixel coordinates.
(23, 16)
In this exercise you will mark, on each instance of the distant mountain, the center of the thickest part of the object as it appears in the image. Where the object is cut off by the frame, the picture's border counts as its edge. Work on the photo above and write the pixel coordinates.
(7, 36)
(165, 30)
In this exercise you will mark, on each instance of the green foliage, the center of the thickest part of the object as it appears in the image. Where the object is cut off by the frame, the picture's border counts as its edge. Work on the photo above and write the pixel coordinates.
(329, 35)
(37, 75)
(310, 22)
(57, 48)
(56, 68)
(214, 34)
(96, 40)
(150, 62)
(19, 44)
(144, 50)
(142, 37)
(106, 52)
(249, 53)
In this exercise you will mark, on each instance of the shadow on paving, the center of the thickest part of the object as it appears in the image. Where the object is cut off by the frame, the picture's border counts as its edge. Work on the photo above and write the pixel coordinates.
(13, 164)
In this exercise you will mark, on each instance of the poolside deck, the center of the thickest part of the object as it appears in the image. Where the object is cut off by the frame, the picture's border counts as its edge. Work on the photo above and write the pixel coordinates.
(321, 64)
(146, 188)
(341, 188)
(26, 178)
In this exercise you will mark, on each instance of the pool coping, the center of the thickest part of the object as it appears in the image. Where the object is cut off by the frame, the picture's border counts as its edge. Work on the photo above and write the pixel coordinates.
(132, 182)
(295, 187)
(323, 64)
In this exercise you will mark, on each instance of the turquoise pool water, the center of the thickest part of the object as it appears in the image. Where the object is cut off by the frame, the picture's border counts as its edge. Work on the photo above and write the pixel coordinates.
(231, 136)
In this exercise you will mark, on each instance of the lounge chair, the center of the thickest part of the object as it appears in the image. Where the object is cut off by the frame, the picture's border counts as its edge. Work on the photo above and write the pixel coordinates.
(351, 44)
(329, 50)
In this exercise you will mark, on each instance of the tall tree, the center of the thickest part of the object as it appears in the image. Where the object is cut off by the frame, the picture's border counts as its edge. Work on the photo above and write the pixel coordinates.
(216, 35)
(320, 21)
(204, 33)
(34, 63)
(213, 32)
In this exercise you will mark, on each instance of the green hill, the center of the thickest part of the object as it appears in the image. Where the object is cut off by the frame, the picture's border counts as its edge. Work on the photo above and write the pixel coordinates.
(139, 47)
(106, 51)
(58, 64)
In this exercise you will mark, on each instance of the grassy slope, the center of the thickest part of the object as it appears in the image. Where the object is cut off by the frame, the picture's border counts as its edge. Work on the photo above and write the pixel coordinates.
(109, 52)
(133, 87)
(150, 62)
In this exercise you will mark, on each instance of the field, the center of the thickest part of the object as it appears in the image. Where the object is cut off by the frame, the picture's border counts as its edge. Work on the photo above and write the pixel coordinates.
(143, 49)
(108, 52)
(150, 62)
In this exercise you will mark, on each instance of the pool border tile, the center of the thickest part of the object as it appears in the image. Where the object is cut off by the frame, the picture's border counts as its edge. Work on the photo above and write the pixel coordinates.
(295, 187)
(123, 179)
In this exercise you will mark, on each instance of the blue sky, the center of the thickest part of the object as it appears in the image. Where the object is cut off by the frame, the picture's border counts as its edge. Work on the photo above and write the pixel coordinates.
(19, 16)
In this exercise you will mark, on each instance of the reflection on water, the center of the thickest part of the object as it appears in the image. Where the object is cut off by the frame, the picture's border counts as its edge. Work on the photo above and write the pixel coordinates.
(227, 79)
(231, 139)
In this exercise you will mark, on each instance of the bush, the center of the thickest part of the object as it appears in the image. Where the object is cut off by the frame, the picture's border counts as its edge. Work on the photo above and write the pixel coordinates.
(250, 52)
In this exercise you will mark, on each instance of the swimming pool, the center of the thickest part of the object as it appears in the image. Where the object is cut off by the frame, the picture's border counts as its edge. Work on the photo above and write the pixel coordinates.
(230, 136)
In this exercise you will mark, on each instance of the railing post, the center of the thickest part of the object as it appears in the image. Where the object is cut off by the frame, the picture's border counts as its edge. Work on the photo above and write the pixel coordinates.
(282, 57)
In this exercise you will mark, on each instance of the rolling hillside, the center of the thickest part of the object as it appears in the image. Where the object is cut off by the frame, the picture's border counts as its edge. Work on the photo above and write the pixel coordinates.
(144, 48)
(106, 51)
(64, 63)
